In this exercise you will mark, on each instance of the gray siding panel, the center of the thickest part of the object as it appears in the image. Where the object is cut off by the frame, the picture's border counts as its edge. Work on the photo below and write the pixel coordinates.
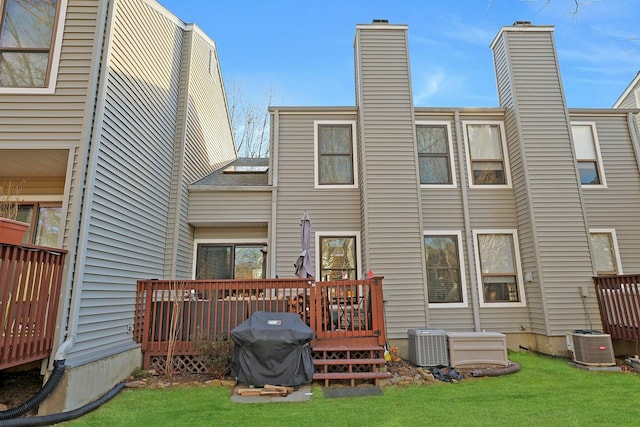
(133, 154)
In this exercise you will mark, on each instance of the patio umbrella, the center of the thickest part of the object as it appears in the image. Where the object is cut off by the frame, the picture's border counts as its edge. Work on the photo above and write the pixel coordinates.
(303, 263)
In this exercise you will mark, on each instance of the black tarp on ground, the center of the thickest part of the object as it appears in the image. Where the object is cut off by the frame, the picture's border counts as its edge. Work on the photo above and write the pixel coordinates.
(272, 348)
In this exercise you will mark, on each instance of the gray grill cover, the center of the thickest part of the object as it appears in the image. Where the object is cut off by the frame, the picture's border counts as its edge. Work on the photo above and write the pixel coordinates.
(272, 348)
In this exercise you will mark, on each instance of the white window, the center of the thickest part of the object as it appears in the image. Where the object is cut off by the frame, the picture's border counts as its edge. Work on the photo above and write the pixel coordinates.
(445, 272)
(498, 266)
(604, 249)
(335, 148)
(338, 255)
(435, 154)
(587, 149)
(487, 161)
(30, 40)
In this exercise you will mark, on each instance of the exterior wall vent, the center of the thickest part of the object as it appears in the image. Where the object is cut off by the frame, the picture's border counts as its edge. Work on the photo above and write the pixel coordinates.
(428, 347)
(591, 348)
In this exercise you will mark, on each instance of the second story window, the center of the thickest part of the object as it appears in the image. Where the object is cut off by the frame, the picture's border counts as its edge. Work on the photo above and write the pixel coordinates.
(486, 154)
(435, 153)
(585, 142)
(27, 33)
(335, 164)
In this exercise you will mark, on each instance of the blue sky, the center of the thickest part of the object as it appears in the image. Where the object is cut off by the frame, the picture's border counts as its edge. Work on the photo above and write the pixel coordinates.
(302, 51)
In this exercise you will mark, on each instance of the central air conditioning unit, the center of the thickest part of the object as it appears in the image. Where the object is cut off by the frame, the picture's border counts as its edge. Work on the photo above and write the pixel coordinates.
(428, 347)
(591, 348)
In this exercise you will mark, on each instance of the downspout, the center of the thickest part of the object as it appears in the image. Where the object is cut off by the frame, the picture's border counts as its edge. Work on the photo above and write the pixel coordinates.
(273, 176)
(468, 235)
(99, 83)
(8, 417)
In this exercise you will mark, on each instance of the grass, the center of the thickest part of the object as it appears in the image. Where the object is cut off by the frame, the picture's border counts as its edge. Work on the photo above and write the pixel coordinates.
(545, 392)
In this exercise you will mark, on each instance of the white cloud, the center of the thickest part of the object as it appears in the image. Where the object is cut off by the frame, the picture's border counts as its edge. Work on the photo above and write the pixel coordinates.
(427, 86)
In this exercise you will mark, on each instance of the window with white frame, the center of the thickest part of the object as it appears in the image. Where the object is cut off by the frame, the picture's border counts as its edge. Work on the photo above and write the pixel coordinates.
(28, 33)
(604, 249)
(498, 265)
(435, 153)
(587, 149)
(216, 261)
(487, 160)
(445, 275)
(335, 154)
(338, 255)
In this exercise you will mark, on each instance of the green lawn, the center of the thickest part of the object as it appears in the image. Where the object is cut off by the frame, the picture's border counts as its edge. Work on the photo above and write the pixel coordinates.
(545, 392)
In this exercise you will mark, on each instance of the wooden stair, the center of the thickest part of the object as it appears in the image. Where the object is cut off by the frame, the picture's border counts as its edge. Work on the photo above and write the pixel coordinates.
(352, 363)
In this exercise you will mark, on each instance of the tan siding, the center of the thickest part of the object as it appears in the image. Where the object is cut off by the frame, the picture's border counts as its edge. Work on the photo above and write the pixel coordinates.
(330, 209)
(391, 194)
(217, 208)
(232, 234)
(617, 206)
(548, 196)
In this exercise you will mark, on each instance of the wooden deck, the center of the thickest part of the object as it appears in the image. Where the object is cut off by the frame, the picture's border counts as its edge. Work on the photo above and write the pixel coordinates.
(619, 304)
(30, 279)
(347, 317)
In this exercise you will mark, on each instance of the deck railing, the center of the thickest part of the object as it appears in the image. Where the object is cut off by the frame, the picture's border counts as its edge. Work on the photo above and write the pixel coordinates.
(176, 312)
(619, 304)
(30, 280)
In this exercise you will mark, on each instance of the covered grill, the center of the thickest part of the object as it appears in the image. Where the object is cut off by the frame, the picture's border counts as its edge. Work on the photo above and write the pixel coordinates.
(272, 348)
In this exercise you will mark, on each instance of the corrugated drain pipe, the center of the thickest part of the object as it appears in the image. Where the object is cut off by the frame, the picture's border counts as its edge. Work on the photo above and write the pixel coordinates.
(52, 382)
(47, 420)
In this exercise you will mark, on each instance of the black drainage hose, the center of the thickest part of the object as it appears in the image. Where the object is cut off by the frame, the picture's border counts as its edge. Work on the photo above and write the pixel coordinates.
(52, 382)
(47, 420)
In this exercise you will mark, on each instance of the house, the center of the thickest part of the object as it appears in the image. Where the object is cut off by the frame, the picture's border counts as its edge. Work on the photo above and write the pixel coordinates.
(105, 125)
(479, 219)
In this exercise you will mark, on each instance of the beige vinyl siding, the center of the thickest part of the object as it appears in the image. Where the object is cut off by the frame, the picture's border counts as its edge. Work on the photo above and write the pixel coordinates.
(546, 187)
(232, 234)
(616, 206)
(330, 209)
(521, 196)
(129, 196)
(229, 208)
(57, 118)
(391, 211)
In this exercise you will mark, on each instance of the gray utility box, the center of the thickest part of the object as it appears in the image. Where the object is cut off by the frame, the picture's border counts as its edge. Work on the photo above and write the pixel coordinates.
(428, 347)
(477, 349)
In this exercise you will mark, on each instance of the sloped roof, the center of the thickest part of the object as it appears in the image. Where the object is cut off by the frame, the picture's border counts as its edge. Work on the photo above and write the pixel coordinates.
(243, 172)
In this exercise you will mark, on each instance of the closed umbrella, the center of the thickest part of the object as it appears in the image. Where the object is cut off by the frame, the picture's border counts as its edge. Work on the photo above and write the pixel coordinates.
(303, 263)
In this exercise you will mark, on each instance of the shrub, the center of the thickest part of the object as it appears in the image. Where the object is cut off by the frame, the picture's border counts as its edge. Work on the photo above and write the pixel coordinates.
(215, 354)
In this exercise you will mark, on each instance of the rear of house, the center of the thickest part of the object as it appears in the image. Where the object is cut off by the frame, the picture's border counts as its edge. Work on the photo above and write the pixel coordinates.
(479, 219)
